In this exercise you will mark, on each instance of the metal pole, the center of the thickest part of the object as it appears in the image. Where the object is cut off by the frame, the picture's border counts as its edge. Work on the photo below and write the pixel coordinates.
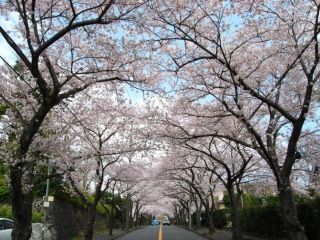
(48, 182)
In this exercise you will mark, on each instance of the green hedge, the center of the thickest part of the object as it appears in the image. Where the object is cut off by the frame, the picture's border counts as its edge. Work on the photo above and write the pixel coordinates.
(265, 220)
(309, 215)
(221, 217)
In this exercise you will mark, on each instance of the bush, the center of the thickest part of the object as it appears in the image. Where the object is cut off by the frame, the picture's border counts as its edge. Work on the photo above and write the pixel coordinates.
(309, 215)
(265, 219)
(251, 201)
(66, 197)
(37, 216)
(4, 187)
(6, 212)
(4, 193)
(221, 217)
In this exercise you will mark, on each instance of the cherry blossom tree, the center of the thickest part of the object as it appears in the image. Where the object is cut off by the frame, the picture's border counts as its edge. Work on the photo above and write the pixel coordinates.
(63, 47)
(254, 60)
(98, 138)
(184, 169)
(305, 175)
(229, 161)
(141, 199)
(129, 184)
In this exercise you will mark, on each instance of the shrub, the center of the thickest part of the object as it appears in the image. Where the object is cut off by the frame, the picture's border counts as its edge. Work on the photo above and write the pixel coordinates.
(66, 197)
(221, 217)
(6, 212)
(4, 193)
(37, 216)
(265, 220)
(4, 187)
(309, 215)
(251, 201)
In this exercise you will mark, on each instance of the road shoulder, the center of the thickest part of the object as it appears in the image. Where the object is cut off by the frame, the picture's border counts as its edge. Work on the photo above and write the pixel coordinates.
(116, 234)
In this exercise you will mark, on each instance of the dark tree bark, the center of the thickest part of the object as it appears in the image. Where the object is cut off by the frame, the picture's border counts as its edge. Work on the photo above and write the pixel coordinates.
(123, 219)
(22, 199)
(21, 207)
(209, 213)
(111, 214)
(211, 227)
(127, 213)
(136, 214)
(294, 229)
(198, 214)
(111, 222)
(234, 205)
(88, 231)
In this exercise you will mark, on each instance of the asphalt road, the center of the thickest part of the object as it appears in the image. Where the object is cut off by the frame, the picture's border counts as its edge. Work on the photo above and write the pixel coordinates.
(168, 233)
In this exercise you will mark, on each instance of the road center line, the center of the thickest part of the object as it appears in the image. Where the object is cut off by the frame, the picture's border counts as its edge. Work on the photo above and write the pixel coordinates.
(160, 233)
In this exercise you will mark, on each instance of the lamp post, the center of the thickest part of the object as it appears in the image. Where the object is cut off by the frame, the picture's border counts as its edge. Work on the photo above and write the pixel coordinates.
(48, 182)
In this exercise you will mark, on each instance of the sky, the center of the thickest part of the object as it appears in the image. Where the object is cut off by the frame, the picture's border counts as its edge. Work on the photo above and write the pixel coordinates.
(5, 50)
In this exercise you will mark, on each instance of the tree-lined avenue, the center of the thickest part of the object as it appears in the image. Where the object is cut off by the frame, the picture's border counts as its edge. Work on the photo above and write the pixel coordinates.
(226, 97)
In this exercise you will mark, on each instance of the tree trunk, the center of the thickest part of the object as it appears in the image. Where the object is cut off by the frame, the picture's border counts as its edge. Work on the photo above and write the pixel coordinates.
(210, 224)
(123, 219)
(111, 219)
(198, 215)
(207, 208)
(22, 201)
(88, 232)
(130, 214)
(295, 231)
(127, 218)
(21, 206)
(136, 214)
(110, 225)
(234, 205)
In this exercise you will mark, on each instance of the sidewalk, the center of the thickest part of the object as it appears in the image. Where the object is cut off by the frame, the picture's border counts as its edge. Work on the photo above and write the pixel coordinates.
(116, 233)
(222, 235)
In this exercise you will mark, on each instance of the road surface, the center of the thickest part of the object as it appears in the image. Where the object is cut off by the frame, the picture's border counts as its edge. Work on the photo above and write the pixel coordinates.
(161, 233)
